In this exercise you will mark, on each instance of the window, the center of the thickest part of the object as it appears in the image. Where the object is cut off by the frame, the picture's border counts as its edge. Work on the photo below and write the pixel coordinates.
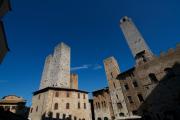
(67, 94)
(153, 78)
(130, 99)
(50, 114)
(126, 87)
(31, 110)
(57, 115)
(83, 119)
(84, 96)
(75, 118)
(79, 105)
(67, 105)
(84, 105)
(135, 84)
(55, 106)
(114, 85)
(121, 114)
(36, 108)
(78, 95)
(117, 97)
(119, 105)
(105, 118)
(57, 94)
(140, 97)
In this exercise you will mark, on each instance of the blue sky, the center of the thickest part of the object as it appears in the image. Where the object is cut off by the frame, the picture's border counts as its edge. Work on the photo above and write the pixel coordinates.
(90, 27)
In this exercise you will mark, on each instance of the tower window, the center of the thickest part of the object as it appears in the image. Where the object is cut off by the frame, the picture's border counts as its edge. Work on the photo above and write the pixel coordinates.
(126, 87)
(130, 99)
(114, 85)
(135, 84)
(117, 97)
(119, 105)
(153, 78)
(141, 99)
(55, 106)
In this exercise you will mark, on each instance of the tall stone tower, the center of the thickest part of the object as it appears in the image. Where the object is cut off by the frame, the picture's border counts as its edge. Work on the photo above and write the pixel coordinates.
(56, 71)
(111, 68)
(135, 40)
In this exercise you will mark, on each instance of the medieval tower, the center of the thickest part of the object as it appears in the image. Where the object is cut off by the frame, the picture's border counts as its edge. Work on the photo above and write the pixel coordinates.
(56, 71)
(135, 40)
(58, 96)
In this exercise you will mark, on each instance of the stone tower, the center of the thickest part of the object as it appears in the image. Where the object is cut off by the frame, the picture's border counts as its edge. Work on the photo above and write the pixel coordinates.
(135, 40)
(74, 81)
(56, 71)
(111, 68)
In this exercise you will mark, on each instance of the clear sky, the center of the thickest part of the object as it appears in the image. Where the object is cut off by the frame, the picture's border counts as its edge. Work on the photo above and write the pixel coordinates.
(90, 28)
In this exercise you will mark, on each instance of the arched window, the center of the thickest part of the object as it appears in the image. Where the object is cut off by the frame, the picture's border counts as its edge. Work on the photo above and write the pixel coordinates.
(105, 118)
(153, 78)
(55, 106)
(121, 114)
(169, 72)
(99, 118)
(75, 118)
(67, 105)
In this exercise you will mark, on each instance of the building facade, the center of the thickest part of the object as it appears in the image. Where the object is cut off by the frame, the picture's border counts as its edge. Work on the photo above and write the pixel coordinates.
(58, 96)
(150, 90)
(102, 104)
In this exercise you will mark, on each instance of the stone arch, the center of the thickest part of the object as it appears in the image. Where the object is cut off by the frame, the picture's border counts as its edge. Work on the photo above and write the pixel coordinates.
(106, 118)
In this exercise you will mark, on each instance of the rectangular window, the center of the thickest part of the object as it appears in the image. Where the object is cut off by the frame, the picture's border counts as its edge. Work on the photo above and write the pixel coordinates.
(130, 99)
(78, 95)
(126, 87)
(84, 105)
(79, 105)
(67, 94)
(39, 97)
(119, 105)
(84, 96)
(141, 99)
(135, 84)
(57, 94)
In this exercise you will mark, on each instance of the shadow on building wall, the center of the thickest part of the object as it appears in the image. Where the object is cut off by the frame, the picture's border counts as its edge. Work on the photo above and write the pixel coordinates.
(163, 103)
